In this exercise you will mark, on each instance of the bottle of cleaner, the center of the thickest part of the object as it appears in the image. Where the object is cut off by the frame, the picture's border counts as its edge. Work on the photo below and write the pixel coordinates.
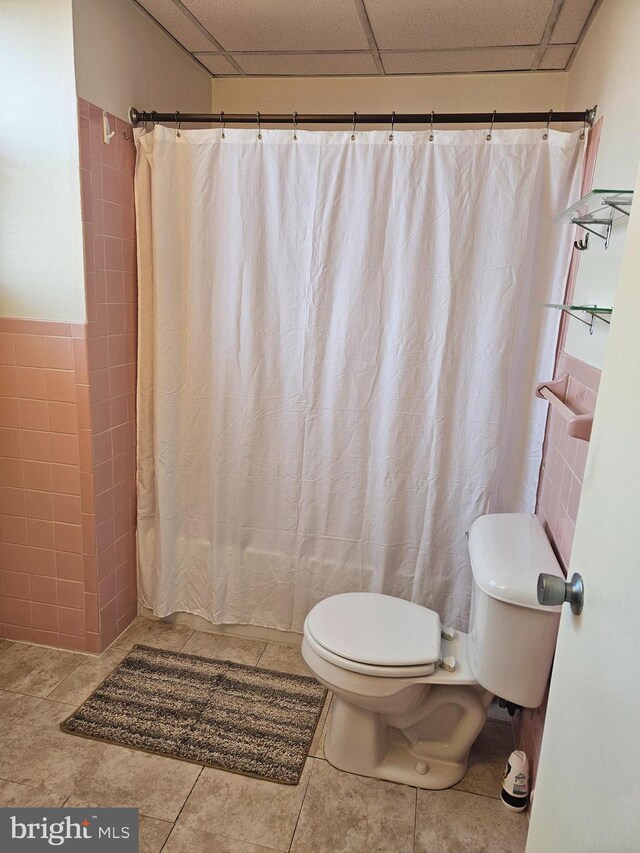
(515, 782)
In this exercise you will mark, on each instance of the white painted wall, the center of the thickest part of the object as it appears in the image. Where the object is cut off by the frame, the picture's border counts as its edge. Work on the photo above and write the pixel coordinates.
(606, 72)
(454, 93)
(124, 59)
(586, 797)
(41, 268)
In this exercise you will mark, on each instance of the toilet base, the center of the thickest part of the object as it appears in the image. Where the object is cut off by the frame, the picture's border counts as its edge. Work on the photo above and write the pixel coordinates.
(366, 743)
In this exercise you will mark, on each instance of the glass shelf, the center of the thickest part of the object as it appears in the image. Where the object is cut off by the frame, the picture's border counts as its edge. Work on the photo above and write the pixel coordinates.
(596, 312)
(598, 207)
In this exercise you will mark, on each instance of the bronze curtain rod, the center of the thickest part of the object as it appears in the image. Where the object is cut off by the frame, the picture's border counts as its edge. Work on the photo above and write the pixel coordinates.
(141, 116)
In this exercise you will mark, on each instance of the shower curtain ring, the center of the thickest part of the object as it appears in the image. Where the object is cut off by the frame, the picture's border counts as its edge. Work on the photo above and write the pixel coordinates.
(393, 121)
(222, 123)
(258, 120)
(431, 137)
(179, 123)
(353, 129)
(295, 125)
(490, 134)
(545, 135)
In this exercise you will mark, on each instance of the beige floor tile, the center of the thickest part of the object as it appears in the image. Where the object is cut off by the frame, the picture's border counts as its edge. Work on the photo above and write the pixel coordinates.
(343, 813)
(224, 647)
(155, 784)
(23, 796)
(317, 744)
(283, 658)
(87, 677)
(453, 821)
(153, 632)
(185, 840)
(35, 670)
(487, 760)
(245, 809)
(35, 751)
(4, 645)
(153, 833)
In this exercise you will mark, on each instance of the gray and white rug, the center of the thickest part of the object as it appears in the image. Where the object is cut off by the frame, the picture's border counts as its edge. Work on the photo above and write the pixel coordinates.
(212, 712)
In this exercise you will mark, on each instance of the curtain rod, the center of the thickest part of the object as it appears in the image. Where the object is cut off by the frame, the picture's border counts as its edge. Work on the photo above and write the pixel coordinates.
(141, 116)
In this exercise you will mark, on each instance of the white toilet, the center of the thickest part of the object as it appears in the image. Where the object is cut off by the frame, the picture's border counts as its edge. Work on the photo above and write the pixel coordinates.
(409, 701)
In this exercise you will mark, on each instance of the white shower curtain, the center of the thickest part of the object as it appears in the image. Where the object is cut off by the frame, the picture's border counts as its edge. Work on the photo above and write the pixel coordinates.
(338, 346)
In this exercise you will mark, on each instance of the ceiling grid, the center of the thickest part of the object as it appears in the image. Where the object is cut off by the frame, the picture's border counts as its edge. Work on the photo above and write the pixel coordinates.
(304, 38)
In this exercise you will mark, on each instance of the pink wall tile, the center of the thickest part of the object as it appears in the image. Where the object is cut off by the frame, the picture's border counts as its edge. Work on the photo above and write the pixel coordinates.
(70, 594)
(45, 616)
(19, 612)
(39, 504)
(37, 475)
(66, 479)
(63, 417)
(70, 566)
(17, 584)
(12, 472)
(34, 414)
(72, 621)
(67, 426)
(66, 508)
(42, 561)
(44, 589)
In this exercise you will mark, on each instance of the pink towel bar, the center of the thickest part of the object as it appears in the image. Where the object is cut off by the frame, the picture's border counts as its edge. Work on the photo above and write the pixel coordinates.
(555, 393)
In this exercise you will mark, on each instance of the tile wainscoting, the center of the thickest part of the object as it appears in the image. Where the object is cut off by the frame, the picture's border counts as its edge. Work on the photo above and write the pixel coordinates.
(67, 430)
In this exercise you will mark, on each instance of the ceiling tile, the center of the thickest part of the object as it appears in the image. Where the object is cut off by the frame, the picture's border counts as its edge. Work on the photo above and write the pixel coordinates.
(459, 61)
(571, 20)
(298, 65)
(282, 24)
(438, 24)
(216, 64)
(177, 23)
(556, 57)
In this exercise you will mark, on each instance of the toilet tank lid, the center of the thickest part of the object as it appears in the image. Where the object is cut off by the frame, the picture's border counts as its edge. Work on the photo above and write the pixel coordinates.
(508, 551)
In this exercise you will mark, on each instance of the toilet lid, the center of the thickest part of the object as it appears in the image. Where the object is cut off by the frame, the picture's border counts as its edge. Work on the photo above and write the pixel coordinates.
(376, 629)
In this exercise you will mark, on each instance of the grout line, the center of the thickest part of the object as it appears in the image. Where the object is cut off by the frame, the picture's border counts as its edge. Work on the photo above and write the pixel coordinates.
(304, 797)
(187, 640)
(175, 822)
(35, 788)
(415, 821)
(70, 673)
(33, 696)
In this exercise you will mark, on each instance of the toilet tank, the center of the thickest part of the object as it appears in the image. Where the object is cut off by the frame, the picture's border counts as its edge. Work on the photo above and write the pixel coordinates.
(512, 638)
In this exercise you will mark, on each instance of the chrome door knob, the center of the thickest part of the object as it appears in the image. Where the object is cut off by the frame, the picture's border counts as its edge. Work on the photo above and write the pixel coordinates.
(553, 590)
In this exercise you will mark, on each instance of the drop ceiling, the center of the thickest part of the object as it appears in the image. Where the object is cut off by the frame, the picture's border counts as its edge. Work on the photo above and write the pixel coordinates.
(297, 38)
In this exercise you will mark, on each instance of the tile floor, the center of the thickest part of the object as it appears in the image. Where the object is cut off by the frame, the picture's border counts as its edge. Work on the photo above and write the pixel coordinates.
(184, 807)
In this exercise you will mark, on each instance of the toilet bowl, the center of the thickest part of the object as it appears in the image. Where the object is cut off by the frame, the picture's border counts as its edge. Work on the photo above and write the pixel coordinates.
(410, 696)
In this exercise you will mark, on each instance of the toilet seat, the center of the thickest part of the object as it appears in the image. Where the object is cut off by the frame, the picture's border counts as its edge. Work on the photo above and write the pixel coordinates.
(375, 634)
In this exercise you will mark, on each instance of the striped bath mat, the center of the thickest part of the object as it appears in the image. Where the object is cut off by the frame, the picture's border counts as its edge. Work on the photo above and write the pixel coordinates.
(212, 712)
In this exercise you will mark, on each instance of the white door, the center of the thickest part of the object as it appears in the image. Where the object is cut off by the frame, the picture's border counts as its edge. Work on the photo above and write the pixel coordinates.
(587, 796)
